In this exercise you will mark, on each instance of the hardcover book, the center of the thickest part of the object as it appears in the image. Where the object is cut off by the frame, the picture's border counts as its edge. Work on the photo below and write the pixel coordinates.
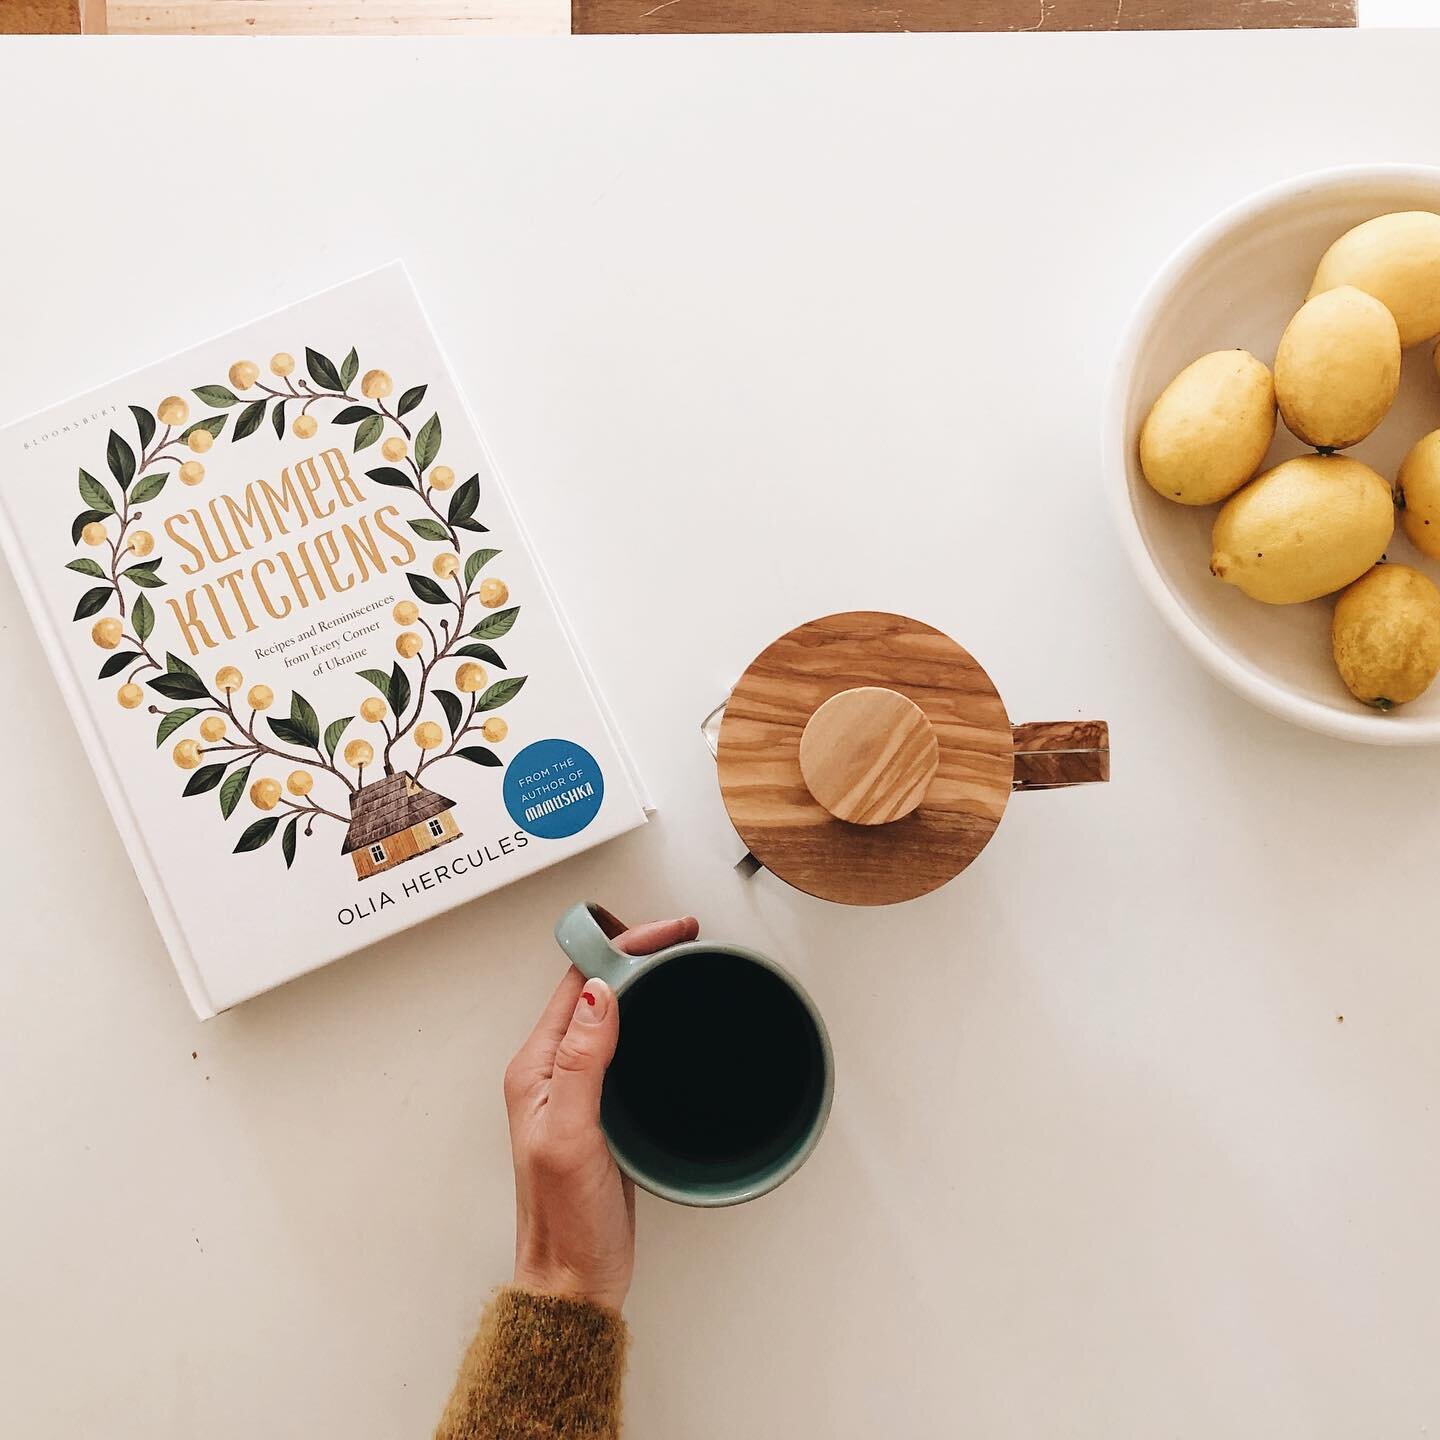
(311, 654)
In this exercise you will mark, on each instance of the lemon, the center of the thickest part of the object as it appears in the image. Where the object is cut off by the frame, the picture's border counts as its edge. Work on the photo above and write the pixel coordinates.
(376, 385)
(1386, 635)
(406, 612)
(93, 533)
(1395, 258)
(442, 477)
(394, 448)
(494, 729)
(305, 426)
(428, 735)
(212, 727)
(172, 410)
(372, 709)
(106, 632)
(359, 753)
(469, 678)
(244, 373)
(1418, 495)
(493, 593)
(265, 794)
(282, 363)
(408, 644)
(260, 697)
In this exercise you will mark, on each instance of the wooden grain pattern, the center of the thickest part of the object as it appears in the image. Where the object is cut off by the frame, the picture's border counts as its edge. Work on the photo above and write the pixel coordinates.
(1051, 754)
(338, 17)
(868, 755)
(709, 17)
(790, 832)
(39, 17)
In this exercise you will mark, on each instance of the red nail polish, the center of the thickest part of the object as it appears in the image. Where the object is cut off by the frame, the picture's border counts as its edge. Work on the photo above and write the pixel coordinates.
(587, 997)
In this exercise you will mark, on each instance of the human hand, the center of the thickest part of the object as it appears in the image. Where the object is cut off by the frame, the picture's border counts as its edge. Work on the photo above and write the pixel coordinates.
(574, 1212)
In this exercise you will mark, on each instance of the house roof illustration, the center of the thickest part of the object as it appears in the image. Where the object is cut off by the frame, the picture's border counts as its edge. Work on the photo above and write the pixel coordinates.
(385, 807)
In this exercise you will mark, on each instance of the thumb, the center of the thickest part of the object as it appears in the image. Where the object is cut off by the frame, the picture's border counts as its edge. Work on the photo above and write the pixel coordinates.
(584, 1053)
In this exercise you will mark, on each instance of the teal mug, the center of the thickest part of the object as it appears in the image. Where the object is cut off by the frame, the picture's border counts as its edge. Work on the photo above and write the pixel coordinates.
(723, 1078)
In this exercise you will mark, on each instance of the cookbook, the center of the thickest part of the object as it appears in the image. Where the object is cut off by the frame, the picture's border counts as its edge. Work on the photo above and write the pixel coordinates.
(310, 651)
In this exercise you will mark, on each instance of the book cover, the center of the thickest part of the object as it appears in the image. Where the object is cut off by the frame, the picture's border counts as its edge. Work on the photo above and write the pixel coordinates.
(314, 661)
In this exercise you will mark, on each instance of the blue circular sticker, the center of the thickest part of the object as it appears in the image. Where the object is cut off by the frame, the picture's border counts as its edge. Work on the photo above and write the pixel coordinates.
(553, 788)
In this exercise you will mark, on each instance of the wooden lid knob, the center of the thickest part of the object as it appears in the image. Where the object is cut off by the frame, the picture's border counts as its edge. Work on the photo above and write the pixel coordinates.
(868, 755)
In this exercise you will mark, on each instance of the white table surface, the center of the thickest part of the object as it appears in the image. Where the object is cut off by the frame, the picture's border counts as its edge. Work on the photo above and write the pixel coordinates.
(759, 329)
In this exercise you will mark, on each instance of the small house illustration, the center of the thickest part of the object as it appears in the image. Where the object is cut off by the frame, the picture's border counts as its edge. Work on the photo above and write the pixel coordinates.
(393, 820)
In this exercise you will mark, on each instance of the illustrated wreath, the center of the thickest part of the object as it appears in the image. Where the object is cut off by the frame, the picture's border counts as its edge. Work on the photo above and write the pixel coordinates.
(228, 744)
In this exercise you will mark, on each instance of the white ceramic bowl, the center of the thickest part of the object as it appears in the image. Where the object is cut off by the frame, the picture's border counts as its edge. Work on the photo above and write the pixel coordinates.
(1237, 282)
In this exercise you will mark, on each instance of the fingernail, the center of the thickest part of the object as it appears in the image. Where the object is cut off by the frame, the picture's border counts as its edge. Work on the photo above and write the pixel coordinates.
(594, 1002)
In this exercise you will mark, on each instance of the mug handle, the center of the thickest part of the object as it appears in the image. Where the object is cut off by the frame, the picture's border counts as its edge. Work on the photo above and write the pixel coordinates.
(1050, 754)
(584, 933)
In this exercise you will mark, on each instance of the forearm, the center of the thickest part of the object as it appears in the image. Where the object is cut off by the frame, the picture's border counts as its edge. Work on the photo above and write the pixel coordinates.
(540, 1368)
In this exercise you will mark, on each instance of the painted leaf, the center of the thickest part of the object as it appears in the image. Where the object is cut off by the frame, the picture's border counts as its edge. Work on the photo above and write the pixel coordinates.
(144, 424)
(335, 729)
(288, 731)
(233, 789)
(302, 713)
(86, 567)
(206, 778)
(427, 590)
(349, 368)
(369, 432)
(174, 686)
(93, 601)
(479, 652)
(479, 755)
(117, 662)
(453, 708)
(120, 458)
(95, 495)
(430, 530)
(277, 419)
(142, 616)
(214, 423)
(388, 475)
(256, 835)
(410, 399)
(354, 414)
(148, 488)
(170, 723)
(144, 576)
(216, 395)
(84, 518)
(464, 501)
(379, 679)
(249, 421)
(322, 370)
(427, 443)
(492, 627)
(476, 563)
(399, 693)
(501, 693)
(174, 665)
(471, 524)
(287, 839)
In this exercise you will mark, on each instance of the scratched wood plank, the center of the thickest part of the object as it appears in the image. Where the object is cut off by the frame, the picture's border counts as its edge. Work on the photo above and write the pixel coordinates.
(39, 17)
(636, 17)
(338, 17)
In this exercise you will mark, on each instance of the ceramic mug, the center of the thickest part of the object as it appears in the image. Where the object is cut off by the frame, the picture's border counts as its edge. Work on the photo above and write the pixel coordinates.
(723, 1078)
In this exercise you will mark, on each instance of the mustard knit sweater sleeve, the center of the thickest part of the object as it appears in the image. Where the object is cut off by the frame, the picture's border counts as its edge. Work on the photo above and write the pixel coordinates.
(540, 1368)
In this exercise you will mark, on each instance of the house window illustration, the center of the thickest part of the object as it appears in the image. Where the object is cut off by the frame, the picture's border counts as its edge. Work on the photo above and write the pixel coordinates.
(395, 819)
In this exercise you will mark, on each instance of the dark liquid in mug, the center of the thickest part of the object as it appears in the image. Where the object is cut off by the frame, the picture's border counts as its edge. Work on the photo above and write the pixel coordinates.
(719, 1064)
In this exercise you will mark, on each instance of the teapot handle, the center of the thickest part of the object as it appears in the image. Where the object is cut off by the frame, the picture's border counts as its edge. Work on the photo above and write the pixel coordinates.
(1050, 754)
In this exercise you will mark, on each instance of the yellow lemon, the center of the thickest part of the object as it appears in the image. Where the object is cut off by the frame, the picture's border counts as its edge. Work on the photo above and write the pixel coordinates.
(130, 696)
(409, 644)
(282, 363)
(493, 593)
(445, 564)
(244, 373)
(192, 472)
(376, 385)
(264, 794)
(428, 735)
(494, 729)
(172, 410)
(106, 633)
(394, 448)
(199, 441)
(186, 754)
(228, 678)
(305, 426)
(359, 753)
(1418, 495)
(93, 533)
(1386, 636)
(261, 697)
(442, 477)
(212, 727)
(407, 612)
(1395, 258)
(470, 677)
(372, 709)
(141, 542)
(299, 782)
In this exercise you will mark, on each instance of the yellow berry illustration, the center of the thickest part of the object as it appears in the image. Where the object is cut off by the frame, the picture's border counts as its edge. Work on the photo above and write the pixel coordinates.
(228, 679)
(281, 363)
(407, 612)
(172, 410)
(264, 794)
(106, 633)
(199, 441)
(299, 782)
(372, 709)
(470, 677)
(192, 472)
(130, 696)
(212, 727)
(446, 564)
(494, 729)
(186, 754)
(409, 644)
(261, 697)
(442, 477)
(244, 373)
(394, 448)
(359, 753)
(141, 542)
(376, 385)
(493, 593)
(305, 426)
(93, 533)
(428, 735)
